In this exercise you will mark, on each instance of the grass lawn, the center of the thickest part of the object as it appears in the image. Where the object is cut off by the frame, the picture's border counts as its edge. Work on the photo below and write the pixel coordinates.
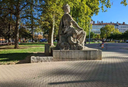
(8, 54)
(36, 43)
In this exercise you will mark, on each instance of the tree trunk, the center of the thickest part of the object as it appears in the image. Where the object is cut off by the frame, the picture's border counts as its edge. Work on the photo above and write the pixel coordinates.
(32, 20)
(32, 28)
(17, 26)
(9, 28)
(17, 33)
(8, 33)
(52, 33)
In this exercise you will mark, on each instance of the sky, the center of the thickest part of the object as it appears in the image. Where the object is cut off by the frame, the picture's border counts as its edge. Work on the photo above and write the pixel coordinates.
(117, 13)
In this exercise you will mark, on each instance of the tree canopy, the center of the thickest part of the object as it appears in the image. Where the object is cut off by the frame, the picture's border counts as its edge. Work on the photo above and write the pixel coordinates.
(125, 35)
(106, 31)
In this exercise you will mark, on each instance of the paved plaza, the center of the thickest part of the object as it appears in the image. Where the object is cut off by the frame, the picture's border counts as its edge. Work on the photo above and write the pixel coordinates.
(111, 71)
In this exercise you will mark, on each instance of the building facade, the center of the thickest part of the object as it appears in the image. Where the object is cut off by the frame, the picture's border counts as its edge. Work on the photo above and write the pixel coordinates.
(123, 28)
(97, 26)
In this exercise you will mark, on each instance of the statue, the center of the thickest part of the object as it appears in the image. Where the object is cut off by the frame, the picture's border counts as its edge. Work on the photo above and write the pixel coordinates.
(71, 36)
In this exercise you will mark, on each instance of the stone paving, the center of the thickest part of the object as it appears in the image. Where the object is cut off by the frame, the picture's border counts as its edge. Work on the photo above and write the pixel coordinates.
(111, 71)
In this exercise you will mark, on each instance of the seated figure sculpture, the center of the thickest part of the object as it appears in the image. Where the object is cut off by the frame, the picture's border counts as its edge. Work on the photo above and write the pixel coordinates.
(71, 36)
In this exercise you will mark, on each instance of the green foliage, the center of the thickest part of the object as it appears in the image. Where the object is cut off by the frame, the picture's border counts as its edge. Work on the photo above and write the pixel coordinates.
(93, 36)
(125, 35)
(124, 2)
(98, 36)
(24, 33)
(6, 27)
(51, 9)
(16, 8)
(117, 32)
(106, 31)
(81, 11)
(118, 35)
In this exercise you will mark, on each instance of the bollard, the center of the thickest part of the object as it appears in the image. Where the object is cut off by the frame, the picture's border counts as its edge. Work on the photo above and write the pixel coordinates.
(47, 49)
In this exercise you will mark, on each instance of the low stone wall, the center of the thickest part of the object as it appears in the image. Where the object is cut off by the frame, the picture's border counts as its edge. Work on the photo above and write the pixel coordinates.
(37, 59)
(88, 54)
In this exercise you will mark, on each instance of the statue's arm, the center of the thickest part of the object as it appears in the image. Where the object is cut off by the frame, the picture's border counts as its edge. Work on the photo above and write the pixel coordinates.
(75, 24)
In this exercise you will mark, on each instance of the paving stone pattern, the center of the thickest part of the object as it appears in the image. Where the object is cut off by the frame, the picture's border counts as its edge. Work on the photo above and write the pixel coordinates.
(111, 71)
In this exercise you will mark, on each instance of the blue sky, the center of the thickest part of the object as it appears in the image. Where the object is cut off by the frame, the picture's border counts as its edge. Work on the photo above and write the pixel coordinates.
(117, 13)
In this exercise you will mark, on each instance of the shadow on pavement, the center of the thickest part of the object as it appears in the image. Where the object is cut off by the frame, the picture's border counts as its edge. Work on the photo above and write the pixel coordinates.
(20, 57)
(104, 73)
(13, 56)
(66, 82)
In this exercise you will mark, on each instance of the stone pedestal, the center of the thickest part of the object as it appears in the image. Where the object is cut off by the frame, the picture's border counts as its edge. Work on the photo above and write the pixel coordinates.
(87, 54)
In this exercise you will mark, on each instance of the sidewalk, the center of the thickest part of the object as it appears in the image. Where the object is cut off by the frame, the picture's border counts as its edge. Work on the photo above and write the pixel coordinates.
(111, 71)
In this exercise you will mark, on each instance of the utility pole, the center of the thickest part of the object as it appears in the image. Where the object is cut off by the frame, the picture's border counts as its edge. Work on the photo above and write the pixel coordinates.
(89, 33)
(91, 22)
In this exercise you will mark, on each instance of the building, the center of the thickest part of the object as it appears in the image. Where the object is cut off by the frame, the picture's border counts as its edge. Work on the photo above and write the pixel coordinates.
(97, 26)
(123, 27)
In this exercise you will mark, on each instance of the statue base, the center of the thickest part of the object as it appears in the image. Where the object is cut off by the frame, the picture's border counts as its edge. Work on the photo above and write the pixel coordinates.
(87, 54)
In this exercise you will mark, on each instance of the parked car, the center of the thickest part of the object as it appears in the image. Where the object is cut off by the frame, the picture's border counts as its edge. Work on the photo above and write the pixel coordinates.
(126, 41)
(43, 40)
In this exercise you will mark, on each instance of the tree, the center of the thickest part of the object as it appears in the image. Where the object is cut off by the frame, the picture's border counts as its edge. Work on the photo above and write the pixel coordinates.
(7, 20)
(98, 36)
(6, 27)
(15, 7)
(106, 31)
(115, 35)
(50, 17)
(125, 35)
(92, 35)
(30, 16)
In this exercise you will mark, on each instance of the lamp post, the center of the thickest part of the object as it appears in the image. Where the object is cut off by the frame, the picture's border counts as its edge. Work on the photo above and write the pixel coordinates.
(91, 22)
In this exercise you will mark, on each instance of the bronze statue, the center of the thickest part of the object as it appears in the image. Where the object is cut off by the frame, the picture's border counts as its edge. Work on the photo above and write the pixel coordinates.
(71, 36)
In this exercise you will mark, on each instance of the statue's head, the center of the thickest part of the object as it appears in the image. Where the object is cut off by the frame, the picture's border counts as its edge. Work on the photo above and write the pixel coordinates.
(66, 8)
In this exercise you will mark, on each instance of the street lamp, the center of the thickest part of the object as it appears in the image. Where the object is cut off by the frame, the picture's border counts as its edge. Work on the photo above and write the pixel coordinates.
(91, 22)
